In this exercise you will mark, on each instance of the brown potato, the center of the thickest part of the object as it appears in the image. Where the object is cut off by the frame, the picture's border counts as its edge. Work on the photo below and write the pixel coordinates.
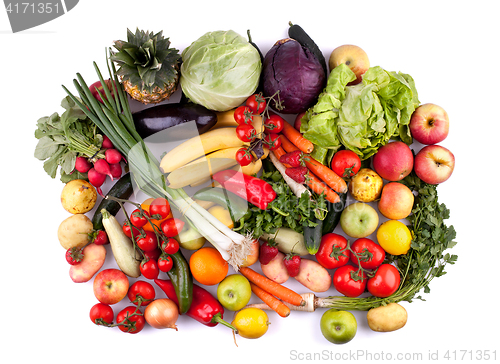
(78, 196)
(366, 185)
(73, 231)
(387, 318)
(275, 270)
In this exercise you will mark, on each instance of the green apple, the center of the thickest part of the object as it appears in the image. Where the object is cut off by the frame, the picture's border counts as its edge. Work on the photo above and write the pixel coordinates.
(338, 327)
(358, 220)
(234, 292)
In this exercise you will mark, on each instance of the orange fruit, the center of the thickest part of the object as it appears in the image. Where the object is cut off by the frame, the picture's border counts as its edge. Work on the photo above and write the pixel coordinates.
(145, 206)
(207, 266)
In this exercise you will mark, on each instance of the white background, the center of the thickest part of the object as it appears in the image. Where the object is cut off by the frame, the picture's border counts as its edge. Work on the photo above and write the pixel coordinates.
(451, 49)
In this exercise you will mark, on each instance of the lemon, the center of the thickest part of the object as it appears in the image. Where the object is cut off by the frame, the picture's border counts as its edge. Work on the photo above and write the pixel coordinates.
(394, 237)
(251, 322)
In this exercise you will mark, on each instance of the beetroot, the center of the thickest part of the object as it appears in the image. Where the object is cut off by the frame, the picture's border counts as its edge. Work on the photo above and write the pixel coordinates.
(82, 164)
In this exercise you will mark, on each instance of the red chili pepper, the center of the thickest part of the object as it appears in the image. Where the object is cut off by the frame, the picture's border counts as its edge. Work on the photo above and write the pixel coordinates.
(255, 190)
(204, 307)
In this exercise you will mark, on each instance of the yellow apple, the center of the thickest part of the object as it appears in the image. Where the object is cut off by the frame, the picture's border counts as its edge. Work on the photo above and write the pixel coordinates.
(396, 201)
(354, 57)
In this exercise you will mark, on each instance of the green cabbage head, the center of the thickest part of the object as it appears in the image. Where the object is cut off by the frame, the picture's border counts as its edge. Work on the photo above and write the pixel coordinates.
(220, 70)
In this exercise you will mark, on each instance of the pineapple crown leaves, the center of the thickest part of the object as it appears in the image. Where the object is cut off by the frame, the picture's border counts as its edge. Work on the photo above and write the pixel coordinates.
(146, 60)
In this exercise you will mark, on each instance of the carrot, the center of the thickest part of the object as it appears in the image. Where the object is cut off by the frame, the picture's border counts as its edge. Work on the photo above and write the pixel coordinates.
(320, 187)
(332, 179)
(297, 139)
(278, 152)
(275, 304)
(276, 289)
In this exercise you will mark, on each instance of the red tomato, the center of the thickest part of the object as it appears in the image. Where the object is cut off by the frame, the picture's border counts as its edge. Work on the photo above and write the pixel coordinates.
(256, 103)
(141, 293)
(130, 320)
(274, 124)
(153, 254)
(138, 218)
(170, 246)
(126, 230)
(333, 251)
(348, 282)
(102, 314)
(161, 207)
(272, 141)
(243, 157)
(147, 241)
(149, 268)
(246, 132)
(243, 115)
(345, 163)
(385, 281)
(369, 254)
(171, 227)
(165, 263)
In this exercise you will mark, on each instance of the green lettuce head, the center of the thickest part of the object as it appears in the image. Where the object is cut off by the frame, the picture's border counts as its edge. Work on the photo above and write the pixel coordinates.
(220, 70)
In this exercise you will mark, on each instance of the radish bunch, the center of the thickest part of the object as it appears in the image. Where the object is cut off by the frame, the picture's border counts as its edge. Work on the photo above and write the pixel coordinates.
(97, 170)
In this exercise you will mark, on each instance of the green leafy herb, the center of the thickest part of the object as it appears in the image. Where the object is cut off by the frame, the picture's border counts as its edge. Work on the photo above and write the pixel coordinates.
(63, 138)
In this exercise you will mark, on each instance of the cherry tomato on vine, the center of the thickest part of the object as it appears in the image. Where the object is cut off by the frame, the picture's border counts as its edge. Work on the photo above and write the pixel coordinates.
(147, 241)
(101, 314)
(165, 263)
(138, 218)
(141, 293)
(333, 251)
(153, 254)
(171, 227)
(128, 232)
(246, 132)
(243, 115)
(149, 268)
(170, 246)
(274, 124)
(130, 320)
(347, 281)
(256, 103)
(161, 207)
(368, 253)
(345, 163)
(385, 281)
(272, 141)
(243, 157)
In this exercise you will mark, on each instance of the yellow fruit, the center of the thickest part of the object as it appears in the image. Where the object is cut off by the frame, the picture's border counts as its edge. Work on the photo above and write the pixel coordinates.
(394, 237)
(78, 196)
(222, 215)
(366, 185)
(251, 323)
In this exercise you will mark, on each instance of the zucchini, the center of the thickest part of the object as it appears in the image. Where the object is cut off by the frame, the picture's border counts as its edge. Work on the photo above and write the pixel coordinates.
(297, 33)
(312, 236)
(121, 189)
(333, 216)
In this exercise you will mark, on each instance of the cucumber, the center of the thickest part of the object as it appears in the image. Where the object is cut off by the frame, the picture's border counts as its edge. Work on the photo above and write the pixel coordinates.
(333, 216)
(297, 33)
(312, 236)
(236, 206)
(121, 189)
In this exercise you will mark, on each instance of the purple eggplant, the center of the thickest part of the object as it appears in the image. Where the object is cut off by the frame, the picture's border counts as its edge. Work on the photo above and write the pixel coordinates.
(296, 73)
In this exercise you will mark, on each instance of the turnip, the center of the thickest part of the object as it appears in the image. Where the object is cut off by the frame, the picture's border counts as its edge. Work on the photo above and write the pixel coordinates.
(82, 164)
(106, 143)
(102, 167)
(116, 170)
(113, 156)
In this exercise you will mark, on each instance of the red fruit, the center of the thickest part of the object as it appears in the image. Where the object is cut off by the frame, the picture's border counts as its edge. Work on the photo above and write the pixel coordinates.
(100, 237)
(165, 263)
(74, 255)
(293, 159)
(272, 141)
(149, 268)
(292, 264)
(298, 174)
(267, 251)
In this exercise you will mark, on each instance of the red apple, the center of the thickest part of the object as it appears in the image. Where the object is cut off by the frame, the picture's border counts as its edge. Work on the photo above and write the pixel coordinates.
(393, 161)
(429, 124)
(434, 164)
(396, 201)
(354, 57)
(298, 119)
(110, 286)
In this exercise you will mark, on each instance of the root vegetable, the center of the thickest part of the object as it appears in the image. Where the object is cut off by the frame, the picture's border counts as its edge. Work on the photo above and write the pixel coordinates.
(162, 313)
(116, 170)
(387, 318)
(93, 259)
(288, 241)
(275, 270)
(113, 156)
(74, 231)
(106, 143)
(78, 196)
(102, 167)
(82, 164)
(96, 178)
(313, 276)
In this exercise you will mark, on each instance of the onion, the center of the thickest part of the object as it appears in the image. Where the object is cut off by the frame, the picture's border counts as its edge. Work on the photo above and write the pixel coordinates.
(162, 313)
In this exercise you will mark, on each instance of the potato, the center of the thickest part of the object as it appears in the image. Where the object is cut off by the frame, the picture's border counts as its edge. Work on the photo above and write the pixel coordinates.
(78, 196)
(288, 240)
(313, 276)
(387, 318)
(73, 231)
(93, 259)
(366, 185)
(275, 270)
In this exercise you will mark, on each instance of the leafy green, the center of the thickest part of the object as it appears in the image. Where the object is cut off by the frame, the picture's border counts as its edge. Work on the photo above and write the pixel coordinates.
(361, 117)
(62, 138)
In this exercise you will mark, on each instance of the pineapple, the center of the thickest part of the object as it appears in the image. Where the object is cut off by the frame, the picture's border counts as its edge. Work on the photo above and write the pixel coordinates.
(148, 68)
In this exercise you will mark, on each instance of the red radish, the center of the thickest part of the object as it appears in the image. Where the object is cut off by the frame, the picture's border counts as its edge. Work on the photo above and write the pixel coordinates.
(96, 179)
(98, 86)
(82, 164)
(116, 170)
(102, 167)
(106, 143)
(113, 156)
